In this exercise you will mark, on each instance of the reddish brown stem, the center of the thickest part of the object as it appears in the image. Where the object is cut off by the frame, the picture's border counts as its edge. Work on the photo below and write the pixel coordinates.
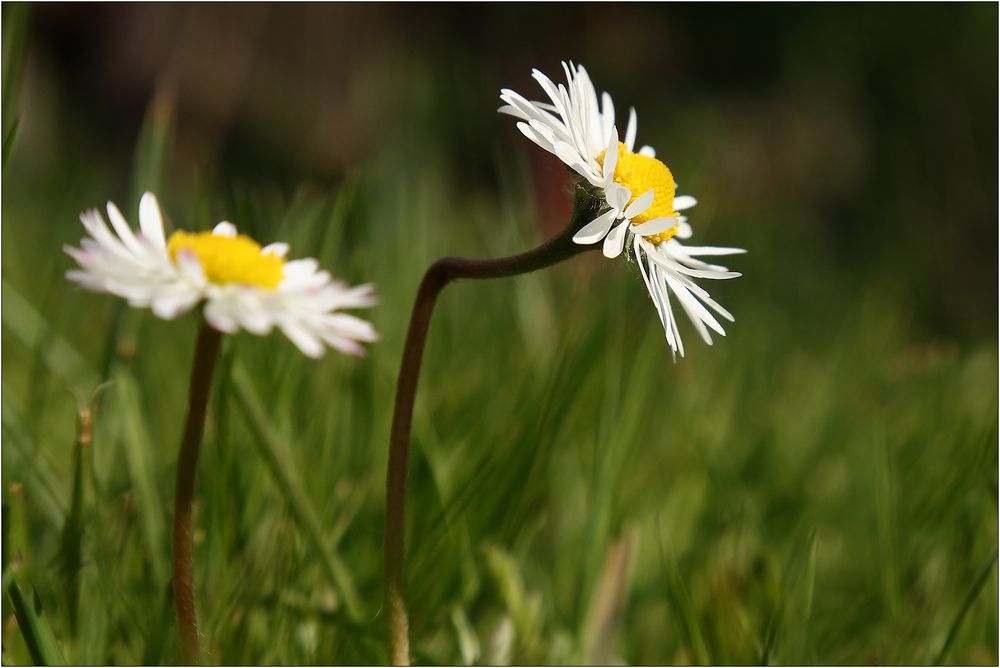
(442, 272)
(205, 355)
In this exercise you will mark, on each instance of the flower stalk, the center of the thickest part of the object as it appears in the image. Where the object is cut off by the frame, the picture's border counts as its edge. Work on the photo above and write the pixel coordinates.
(438, 275)
(205, 356)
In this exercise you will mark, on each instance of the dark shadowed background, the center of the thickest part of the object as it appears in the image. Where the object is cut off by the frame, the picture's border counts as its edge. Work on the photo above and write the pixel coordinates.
(818, 487)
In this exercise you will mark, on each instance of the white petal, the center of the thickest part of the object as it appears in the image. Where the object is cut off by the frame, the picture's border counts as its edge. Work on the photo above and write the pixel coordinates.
(301, 268)
(304, 340)
(80, 256)
(672, 256)
(353, 327)
(151, 220)
(654, 226)
(169, 306)
(86, 280)
(703, 295)
(190, 267)
(711, 250)
(689, 261)
(698, 313)
(649, 152)
(615, 240)
(714, 305)
(567, 154)
(611, 156)
(344, 345)
(546, 83)
(543, 130)
(118, 221)
(277, 249)
(607, 115)
(630, 130)
(124, 231)
(530, 134)
(525, 110)
(711, 275)
(253, 318)
(641, 203)
(682, 202)
(684, 230)
(360, 296)
(595, 230)
(674, 336)
(641, 261)
(671, 318)
(224, 229)
(617, 196)
(219, 315)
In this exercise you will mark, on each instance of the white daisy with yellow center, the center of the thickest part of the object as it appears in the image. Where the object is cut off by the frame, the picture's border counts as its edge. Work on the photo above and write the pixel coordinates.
(640, 207)
(243, 285)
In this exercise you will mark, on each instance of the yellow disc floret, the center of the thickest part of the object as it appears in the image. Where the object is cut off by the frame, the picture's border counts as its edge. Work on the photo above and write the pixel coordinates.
(640, 173)
(229, 259)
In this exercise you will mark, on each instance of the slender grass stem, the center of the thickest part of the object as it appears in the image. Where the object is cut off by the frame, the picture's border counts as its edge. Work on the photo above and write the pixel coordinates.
(970, 600)
(205, 356)
(438, 275)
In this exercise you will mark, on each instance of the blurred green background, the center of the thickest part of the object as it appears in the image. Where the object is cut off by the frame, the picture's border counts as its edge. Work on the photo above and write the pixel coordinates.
(818, 487)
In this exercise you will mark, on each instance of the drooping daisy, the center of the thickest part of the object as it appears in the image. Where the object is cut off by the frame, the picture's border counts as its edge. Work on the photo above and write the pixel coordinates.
(242, 285)
(640, 208)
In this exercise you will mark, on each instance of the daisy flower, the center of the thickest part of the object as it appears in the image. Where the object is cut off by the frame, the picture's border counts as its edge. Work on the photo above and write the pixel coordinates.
(639, 210)
(242, 285)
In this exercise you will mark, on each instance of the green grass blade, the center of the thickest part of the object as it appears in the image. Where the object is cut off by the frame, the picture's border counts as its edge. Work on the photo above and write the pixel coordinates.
(138, 447)
(604, 615)
(8, 140)
(33, 332)
(465, 636)
(71, 547)
(970, 599)
(504, 569)
(35, 628)
(163, 624)
(680, 601)
(16, 549)
(284, 474)
(15, 34)
(37, 471)
(152, 150)
(800, 567)
(885, 522)
(807, 600)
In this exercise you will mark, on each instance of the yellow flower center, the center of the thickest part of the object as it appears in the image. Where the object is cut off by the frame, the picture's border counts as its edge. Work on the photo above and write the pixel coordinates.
(229, 259)
(640, 173)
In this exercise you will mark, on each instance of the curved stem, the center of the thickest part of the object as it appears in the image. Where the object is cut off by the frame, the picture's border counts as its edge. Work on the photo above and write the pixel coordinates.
(205, 355)
(442, 272)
